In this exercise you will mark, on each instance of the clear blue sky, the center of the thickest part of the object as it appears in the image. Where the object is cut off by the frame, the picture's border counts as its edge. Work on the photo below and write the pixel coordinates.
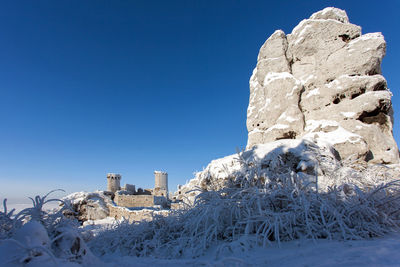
(90, 87)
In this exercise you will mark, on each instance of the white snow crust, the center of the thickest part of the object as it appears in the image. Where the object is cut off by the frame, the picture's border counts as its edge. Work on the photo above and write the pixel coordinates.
(348, 114)
(312, 92)
(340, 135)
(366, 37)
(272, 76)
(366, 253)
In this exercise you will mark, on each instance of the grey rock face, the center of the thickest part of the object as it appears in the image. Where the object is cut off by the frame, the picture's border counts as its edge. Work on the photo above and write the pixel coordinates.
(323, 82)
(89, 206)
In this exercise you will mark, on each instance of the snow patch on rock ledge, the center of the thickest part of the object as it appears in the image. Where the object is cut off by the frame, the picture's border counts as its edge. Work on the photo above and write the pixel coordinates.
(302, 157)
(89, 205)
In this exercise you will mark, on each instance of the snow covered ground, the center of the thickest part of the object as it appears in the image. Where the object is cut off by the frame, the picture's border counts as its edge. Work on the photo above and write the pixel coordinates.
(371, 252)
(374, 252)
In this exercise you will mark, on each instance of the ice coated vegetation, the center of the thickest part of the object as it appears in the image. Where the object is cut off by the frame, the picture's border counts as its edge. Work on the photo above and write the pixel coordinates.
(35, 237)
(262, 211)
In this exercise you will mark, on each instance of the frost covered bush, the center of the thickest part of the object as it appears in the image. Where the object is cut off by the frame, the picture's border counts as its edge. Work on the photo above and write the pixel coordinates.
(41, 238)
(6, 221)
(9, 222)
(279, 209)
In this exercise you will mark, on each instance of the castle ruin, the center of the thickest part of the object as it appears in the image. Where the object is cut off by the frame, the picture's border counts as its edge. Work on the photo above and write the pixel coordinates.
(129, 197)
(161, 183)
(113, 182)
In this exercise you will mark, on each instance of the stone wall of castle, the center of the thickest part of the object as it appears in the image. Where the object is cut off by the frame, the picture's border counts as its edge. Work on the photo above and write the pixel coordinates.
(134, 200)
(160, 192)
(135, 215)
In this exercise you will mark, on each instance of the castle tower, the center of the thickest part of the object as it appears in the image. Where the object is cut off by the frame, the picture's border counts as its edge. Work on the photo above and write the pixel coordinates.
(113, 182)
(161, 182)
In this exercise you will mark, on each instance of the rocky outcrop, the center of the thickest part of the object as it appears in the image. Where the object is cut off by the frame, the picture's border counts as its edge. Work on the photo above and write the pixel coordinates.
(310, 164)
(323, 82)
(304, 161)
(319, 113)
(88, 206)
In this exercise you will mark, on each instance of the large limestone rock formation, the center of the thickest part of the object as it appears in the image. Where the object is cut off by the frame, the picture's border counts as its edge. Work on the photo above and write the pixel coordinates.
(323, 82)
(317, 97)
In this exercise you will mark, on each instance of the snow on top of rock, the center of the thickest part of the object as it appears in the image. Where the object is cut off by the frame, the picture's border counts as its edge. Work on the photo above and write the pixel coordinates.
(335, 82)
(309, 25)
(267, 102)
(272, 76)
(256, 130)
(267, 158)
(331, 13)
(348, 114)
(285, 117)
(298, 27)
(294, 89)
(337, 136)
(306, 78)
(303, 31)
(224, 167)
(262, 150)
(278, 33)
(250, 110)
(312, 125)
(314, 91)
(76, 197)
(89, 205)
(366, 37)
(278, 126)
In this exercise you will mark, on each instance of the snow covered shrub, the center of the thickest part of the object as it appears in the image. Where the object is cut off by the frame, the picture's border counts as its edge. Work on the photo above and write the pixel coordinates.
(37, 213)
(30, 245)
(6, 221)
(69, 246)
(42, 238)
